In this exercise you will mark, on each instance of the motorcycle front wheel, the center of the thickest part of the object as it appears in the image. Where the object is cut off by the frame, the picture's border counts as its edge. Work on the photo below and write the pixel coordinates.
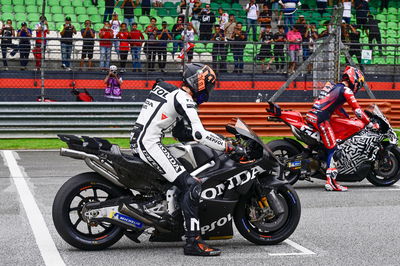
(268, 230)
(67, 212)
(386, 170)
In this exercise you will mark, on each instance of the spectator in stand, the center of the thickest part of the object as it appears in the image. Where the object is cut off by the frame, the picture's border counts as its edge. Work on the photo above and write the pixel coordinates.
(219, 51)
(384, 4)
(325, 32)
(196, 15)
(362, 10)
(374, 33)
(128, 6)
(37, 51)
(113, 82)
(146, 5)
(207, 20)
(303, 28)
(123, 36)
(352, 36)
(294, 38)
(229, 28)
(136, 47)
(310, 36)
(115, 26)
(182, 7)
(105, 46)
(264, 18)
(189, 37)
(7, 31)
(151, 45)
(267, 38)
(222, 18)
(280, 40)
(321, 6)
(67, 32)
(165, 35)
(276, 12)
(239, 37)
(347, 10)
(24, 46)
(88, 44)
(177, 35)
(109, 9)
(252, 16)
(289, 9)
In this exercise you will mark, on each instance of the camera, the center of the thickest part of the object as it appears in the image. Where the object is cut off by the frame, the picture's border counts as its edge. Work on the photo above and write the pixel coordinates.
(115, 72)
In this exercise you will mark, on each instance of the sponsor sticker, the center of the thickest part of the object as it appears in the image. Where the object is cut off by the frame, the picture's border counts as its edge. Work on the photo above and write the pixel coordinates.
(128, 220)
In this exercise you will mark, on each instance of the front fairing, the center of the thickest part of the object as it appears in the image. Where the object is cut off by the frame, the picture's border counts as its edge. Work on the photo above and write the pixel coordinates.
(387, 128)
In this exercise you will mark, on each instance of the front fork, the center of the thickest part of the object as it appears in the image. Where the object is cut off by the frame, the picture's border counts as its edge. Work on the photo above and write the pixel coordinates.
(269, 199)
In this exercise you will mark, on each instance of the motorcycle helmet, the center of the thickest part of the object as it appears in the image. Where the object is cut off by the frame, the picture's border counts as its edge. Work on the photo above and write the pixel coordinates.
(200, 79)
(354, 77)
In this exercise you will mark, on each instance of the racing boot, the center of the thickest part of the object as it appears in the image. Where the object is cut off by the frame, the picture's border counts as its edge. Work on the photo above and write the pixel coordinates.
(195, 246)
(331, 184)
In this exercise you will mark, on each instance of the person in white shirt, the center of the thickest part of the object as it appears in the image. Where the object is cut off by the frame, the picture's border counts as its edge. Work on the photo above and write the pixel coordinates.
(252, 17)
(347, 10)
(189, 37)
(222, 18)
(115, 25)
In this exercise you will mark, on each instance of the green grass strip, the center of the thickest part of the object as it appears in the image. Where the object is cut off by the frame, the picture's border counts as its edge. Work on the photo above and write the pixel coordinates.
(39, 144)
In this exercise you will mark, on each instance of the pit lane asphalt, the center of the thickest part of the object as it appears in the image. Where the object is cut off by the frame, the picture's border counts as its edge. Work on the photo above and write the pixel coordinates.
(358, 227)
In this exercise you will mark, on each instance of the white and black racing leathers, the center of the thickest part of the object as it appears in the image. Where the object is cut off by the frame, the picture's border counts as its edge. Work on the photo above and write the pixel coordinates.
(165, 105)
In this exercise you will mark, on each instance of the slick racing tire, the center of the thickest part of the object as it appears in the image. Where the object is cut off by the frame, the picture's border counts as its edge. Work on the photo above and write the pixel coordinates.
(284, 150)
(280, 227)
(387, 170)
(67, 207)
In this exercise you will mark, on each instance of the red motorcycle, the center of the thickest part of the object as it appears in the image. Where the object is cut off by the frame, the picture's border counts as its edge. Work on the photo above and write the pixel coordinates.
(365, 152)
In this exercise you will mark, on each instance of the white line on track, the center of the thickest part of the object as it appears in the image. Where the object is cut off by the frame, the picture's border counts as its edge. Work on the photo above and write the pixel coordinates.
(303, 250)
(46, 245)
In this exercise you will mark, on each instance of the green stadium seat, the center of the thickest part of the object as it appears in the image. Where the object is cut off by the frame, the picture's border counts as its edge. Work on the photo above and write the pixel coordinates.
(6, 9)
(144, 20)
(392, 17)
(68, 3)
(52, 26)
(226, 6)
(68, 10)
(162, 12)
(392, 25)
(172, 12)
(20, 17)
(169, 20)
(57, 10)
(98, 26)
(101, 11)
(200, 48)
(101, 4)
(74, 19)
(6, 16)
(58, 18)
(77, 3)
(48, 16)
(153, 12)
(381, 17)
(209, 47)
(6, 2)
(34, 17)
(55, 2)
(169, 5)
(19, 9)
(391, 40)
(18, 2)
(237, 6)
(96, 18)
(137, 12)
(82, 18)
(88, 3)
(80, 10)
(31, 9)
(92, 10)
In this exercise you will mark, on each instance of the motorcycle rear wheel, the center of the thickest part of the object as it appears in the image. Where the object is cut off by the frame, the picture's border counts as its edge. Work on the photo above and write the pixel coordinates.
(284, 150)
(252, 233)
(386, 174)
(78, 190)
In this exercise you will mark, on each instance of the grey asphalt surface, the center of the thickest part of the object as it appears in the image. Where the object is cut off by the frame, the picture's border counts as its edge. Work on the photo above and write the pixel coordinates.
(358, 227)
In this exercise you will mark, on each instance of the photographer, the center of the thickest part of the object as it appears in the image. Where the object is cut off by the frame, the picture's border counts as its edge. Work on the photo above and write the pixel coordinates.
(68, 30)
(113, 85)
(37, 51)
(88, 45)
(177, 35)
(7, 31)
(239, 39)
(24, 44)
(219, 51)
(165, 35)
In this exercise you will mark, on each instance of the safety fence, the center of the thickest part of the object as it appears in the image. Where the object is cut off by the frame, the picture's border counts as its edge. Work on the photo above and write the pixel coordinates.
(41, 120)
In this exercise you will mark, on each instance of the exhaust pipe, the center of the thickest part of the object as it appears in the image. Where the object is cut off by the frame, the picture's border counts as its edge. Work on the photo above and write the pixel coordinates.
(99, 166)
(124, 209)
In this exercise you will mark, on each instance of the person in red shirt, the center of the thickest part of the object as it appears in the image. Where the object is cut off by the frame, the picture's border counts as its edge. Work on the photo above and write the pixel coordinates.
(37, 51)
(136, 47)
(123, 35)
(105, 46)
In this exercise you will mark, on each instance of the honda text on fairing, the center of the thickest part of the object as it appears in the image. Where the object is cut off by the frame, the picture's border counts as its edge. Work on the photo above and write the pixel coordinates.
(125, 196)
(365, 152)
